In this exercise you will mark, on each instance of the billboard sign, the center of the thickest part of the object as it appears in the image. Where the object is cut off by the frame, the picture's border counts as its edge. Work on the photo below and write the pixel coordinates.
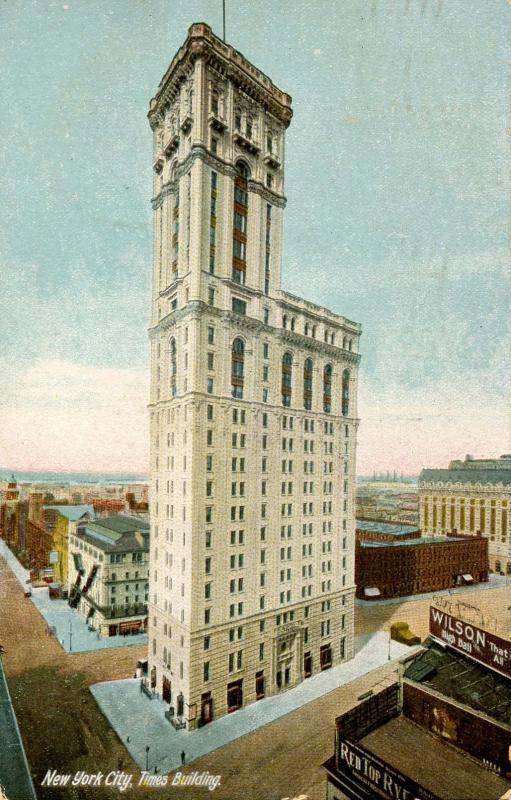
(476, 643)
(54, 557)
(383, 779)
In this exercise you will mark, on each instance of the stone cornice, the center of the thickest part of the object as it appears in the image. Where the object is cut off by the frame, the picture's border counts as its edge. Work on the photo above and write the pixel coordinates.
(199, 151)
(202, 43)
(293, 303)
(315, 345)
(464, 487)
(266, 194)
(196, 307)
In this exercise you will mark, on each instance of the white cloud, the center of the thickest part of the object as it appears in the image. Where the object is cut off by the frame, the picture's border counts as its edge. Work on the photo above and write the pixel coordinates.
(65, 416)
(406, 430)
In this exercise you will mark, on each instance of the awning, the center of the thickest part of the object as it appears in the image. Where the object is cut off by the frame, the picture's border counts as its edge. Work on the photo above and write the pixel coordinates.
(373, 591)
(468, 578)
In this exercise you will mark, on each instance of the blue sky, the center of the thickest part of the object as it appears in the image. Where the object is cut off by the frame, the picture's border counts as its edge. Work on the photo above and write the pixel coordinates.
(397, 181)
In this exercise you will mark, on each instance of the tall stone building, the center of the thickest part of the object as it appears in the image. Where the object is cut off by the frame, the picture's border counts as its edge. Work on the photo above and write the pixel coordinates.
(253, 407)
(471, 496)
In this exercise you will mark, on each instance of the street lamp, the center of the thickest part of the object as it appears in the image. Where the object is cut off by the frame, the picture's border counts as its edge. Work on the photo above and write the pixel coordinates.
(147, 758)
(390, 639)
(70, 637)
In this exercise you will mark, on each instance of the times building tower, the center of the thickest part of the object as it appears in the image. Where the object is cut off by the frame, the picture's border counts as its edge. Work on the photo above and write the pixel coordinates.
(253, 408)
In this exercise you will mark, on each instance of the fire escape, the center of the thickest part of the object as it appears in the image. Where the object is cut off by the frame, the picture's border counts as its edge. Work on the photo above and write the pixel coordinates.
(75, 591)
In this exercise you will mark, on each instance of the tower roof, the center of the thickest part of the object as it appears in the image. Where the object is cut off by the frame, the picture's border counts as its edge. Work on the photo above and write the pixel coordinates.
(201, 42)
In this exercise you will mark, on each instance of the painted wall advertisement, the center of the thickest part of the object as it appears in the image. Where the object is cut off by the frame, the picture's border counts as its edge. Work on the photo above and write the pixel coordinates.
(481, 645)
(379, 776)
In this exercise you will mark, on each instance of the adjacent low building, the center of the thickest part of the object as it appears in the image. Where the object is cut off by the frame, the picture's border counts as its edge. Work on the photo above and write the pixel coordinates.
(394, 560)
(109, 568)
(62, 522)
(470, 497)
(450, 692)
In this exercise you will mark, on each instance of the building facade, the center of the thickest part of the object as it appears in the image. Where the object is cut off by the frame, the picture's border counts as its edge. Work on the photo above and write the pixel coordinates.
(253, 407)
(470, 496)
(109, 565)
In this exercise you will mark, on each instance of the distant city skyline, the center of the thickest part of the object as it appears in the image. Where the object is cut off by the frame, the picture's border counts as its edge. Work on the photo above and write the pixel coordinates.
(398, 200)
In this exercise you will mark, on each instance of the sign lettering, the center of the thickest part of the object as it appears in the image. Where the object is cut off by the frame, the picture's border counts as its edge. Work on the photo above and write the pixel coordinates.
(380, 776)
(481, 645)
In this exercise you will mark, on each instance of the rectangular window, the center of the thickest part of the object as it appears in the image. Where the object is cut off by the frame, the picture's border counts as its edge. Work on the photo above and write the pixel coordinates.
(239, 306)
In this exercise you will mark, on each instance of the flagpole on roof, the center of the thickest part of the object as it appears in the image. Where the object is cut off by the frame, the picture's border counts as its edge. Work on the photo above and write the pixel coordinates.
(223, 18)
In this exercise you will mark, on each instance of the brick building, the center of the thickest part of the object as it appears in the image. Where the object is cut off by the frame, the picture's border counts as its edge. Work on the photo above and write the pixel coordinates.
(399, 561)
(23, 530)
(103, 507)
(442, 695)
(39, 546)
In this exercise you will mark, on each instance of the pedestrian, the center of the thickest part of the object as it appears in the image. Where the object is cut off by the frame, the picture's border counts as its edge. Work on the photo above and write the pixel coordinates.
(183, 758)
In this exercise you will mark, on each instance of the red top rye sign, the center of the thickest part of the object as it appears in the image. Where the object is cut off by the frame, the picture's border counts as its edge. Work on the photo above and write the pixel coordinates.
(482, 646)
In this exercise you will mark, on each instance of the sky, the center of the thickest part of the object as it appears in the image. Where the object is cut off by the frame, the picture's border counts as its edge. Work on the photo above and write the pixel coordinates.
(397, 179)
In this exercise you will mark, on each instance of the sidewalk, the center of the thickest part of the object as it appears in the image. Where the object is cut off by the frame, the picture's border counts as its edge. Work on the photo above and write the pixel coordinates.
(494, 582)
(71, 629)
(135, 716)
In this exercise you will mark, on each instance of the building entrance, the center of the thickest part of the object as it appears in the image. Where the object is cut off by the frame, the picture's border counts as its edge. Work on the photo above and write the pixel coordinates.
(206, 709)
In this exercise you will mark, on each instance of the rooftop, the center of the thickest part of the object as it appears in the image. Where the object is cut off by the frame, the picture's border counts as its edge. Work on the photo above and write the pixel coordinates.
(441, 769)
(470, 475)
(117, 533)
(201, 41)
(393, 528)
(73, 513)
(403, 542)
(124, 543)
(463, 680)
(122, 523)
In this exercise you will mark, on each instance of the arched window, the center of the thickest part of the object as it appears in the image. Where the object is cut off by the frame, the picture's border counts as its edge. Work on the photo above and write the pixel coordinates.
(345, 392)
(292, 323)
(287, 370)
(249, 127)
(238, 367)
(327, 389)
(344, 342)
(306, 328)
(307, 384)
(239, 227)
(173, 367)
(284, 321)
